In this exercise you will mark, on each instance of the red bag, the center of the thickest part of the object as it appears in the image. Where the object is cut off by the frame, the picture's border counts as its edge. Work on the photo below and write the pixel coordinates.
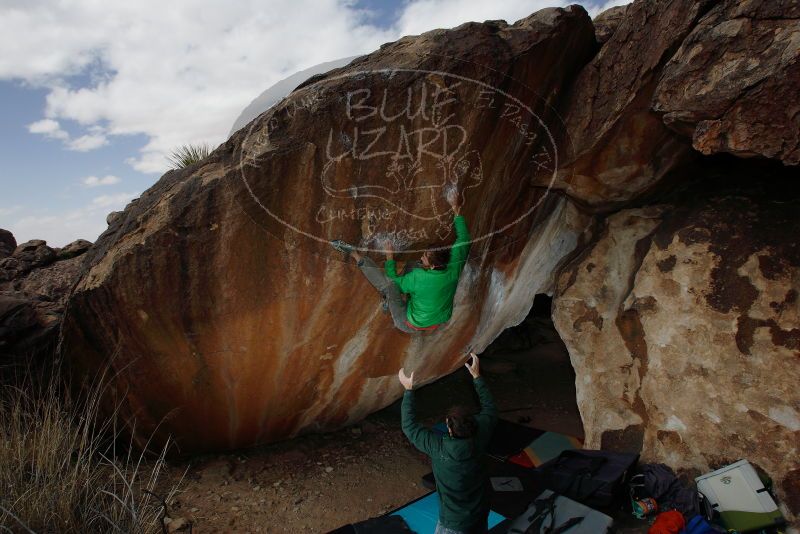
(671, 522)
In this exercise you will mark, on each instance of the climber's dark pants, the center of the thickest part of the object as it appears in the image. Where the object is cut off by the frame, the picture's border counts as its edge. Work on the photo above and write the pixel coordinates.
(388, 290)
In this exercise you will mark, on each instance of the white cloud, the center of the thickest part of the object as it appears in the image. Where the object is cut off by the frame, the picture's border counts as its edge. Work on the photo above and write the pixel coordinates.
(52, 129)
(117, 200)
(85, 143)
(11, 210)
(49, 128)
(94, 181)
(58, 229)
(181, 71)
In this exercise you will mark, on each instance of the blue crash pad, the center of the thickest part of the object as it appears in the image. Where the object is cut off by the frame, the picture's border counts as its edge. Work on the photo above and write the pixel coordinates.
(423, 514)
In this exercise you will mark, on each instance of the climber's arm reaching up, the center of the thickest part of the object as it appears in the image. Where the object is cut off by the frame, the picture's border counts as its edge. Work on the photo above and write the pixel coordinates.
(460, 250)
(487, 418)
(423, 439)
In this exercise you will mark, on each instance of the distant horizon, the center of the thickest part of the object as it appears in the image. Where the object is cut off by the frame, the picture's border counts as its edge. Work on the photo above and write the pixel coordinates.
(90, 112)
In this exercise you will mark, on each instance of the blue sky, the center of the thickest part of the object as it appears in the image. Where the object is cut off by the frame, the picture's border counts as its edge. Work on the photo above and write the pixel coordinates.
(94, 95)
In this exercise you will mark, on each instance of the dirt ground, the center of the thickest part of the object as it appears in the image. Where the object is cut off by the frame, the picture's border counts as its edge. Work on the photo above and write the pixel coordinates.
(308, 484)
(317, 483)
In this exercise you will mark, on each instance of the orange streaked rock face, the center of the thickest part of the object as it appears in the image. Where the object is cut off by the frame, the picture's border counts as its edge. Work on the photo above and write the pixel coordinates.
(227, 318)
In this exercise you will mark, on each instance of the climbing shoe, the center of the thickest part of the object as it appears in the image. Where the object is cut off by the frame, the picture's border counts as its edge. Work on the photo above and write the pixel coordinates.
(342, 247)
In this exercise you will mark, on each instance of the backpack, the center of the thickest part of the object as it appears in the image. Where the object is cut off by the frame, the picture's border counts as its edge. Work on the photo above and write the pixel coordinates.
(594, 478)
(659, 482)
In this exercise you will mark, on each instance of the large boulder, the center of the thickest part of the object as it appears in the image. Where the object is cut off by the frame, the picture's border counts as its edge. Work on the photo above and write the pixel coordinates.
(52, 283)
(618, 148)
(7, 243)
(75, 248)
(216, 297)
(733, 84)
(607, 22)
(229, 321)
(26, 257)
(32, 309)
(35, 282)
(17, 321)
(673, 80)
(682, 324)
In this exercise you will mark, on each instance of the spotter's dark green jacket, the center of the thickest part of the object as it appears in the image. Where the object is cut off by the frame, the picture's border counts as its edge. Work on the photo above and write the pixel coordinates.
(459, 465)
(431, 292)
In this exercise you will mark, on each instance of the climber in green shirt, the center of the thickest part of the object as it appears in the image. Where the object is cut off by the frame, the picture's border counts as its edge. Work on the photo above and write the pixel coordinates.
(430, 285)
(458, 458)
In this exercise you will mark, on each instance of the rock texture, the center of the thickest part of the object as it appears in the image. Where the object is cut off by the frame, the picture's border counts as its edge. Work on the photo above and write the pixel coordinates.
(617, 147)
(17, 322)
(7, 243)
(76, 248)
(233, 321)
(24, 258)
(732, 85)
(606, 23)
(682, 323)
(37, 281)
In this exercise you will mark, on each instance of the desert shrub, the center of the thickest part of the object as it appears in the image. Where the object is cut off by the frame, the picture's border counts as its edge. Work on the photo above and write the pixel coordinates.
(189, 154)
(62, 468)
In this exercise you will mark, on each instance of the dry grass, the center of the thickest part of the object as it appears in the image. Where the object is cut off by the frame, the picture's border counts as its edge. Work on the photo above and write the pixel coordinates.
(61, 469)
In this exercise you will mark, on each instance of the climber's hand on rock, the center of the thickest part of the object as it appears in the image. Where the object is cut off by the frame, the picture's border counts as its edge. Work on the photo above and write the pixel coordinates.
(453, 198)
(407, 381)
(389, 249)
(473, 365)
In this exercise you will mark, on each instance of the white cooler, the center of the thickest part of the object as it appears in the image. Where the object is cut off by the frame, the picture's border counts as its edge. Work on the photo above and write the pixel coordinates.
(739, 496)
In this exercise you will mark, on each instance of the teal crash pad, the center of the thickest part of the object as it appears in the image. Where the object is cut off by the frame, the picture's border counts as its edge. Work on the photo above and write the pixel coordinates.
(423, 514)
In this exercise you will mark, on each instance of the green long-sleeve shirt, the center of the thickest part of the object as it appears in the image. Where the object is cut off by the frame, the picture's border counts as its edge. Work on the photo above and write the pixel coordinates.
(431, 292)
(459, 465)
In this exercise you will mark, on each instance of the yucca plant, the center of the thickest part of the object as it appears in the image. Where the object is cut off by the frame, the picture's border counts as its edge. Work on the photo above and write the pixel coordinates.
(188, 154)
(61, 469)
